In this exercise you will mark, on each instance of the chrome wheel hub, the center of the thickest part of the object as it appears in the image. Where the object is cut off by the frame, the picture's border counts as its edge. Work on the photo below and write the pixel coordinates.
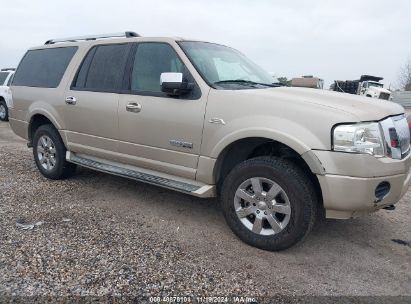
(2, 112)
(46, 152)
(262, 206)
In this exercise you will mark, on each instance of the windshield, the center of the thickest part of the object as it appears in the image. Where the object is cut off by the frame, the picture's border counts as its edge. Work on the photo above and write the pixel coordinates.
(375, 84)
(225, 68)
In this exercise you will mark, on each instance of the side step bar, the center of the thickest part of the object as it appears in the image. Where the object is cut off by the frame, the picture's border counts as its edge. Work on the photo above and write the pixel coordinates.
(143, 175)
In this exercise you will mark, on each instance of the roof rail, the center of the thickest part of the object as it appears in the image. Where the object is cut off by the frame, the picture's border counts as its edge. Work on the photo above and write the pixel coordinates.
(8, 69)
(93, 37)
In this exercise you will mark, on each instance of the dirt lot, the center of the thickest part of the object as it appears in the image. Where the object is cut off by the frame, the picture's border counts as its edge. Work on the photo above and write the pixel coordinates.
(108, 235)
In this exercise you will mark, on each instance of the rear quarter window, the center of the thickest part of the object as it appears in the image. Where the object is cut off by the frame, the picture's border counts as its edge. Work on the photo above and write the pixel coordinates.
(43, 68)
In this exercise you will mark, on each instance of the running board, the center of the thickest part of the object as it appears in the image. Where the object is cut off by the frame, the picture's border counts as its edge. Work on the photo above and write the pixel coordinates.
(143, 175)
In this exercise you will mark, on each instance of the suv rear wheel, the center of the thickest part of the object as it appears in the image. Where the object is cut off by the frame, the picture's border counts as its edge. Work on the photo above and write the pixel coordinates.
(4, 112)
(50, 153)
(269, 203)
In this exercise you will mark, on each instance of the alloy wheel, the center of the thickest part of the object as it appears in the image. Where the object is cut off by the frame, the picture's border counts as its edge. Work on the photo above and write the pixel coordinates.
(2, 112)
(46, 152)
(262, 206)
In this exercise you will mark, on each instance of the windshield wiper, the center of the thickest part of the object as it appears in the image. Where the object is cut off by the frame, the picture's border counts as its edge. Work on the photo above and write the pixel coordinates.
(245, 82)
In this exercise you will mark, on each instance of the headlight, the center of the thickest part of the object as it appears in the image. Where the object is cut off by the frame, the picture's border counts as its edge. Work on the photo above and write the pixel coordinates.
(359, 138)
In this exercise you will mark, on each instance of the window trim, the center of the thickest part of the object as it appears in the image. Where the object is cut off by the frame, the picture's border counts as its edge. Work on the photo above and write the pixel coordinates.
(125, 87)
(51, 48)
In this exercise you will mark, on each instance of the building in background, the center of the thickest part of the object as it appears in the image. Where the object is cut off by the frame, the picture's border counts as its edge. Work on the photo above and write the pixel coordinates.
(308, 81)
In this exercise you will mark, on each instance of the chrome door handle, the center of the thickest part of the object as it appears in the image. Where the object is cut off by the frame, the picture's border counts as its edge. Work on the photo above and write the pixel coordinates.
(133, 107)
(71, 100)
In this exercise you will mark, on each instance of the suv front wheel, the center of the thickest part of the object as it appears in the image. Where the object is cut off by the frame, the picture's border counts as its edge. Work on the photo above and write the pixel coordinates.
(50, 153)
(269, 203)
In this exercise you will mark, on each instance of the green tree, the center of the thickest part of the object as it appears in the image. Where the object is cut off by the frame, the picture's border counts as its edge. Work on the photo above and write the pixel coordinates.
(284, 81)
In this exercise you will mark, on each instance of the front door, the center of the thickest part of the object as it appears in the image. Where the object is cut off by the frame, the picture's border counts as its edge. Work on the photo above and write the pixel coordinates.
(157, 131)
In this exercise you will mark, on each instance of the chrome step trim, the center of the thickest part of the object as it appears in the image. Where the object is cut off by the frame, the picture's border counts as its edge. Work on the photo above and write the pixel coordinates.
(139, 176)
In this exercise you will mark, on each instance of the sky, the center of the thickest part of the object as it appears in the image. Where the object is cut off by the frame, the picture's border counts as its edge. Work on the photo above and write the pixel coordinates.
(329, 39)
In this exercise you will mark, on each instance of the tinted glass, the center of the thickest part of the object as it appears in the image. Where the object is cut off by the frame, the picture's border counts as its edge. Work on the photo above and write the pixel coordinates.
(152, 59)
(105, 68)
(43, 68)
(82, 74)
(3, 76)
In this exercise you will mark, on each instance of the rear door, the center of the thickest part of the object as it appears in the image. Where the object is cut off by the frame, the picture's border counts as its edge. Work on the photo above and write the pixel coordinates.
(90, 111)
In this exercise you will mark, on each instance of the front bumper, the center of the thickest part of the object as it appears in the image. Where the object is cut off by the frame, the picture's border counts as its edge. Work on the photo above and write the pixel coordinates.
(349, 181)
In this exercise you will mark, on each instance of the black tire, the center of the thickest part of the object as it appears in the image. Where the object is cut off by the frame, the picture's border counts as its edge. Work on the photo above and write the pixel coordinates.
(298, 188)
(62, 169)
(3, 104)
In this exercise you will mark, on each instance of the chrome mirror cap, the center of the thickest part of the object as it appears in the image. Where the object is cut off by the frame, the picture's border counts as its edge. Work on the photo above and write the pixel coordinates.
(171, 77)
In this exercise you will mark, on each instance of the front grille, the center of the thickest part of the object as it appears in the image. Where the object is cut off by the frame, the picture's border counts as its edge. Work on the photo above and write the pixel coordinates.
(397, 136)
(384, 96)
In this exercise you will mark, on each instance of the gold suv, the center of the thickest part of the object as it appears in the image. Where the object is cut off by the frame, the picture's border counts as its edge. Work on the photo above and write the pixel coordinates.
(201, 118)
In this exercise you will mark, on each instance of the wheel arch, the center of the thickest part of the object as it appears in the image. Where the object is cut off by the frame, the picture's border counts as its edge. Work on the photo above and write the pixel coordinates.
(245, 148)
(37, 119)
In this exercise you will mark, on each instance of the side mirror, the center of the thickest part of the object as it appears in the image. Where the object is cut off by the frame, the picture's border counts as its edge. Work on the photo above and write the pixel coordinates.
(172, 84)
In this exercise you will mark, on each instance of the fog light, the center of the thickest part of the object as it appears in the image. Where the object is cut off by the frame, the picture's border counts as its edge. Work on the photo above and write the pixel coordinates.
(382, 190)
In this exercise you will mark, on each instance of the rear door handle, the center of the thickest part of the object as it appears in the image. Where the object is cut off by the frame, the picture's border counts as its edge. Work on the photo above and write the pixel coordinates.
(133, 107)
(71, 100)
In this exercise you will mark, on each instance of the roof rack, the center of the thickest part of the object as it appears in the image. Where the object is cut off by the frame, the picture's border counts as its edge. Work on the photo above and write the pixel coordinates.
(93, 37)
(8, 69)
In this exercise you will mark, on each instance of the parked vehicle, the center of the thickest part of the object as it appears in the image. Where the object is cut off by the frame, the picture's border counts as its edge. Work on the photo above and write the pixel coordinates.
(6, 76)
(308, 82)
(202, 119)
(367, 85)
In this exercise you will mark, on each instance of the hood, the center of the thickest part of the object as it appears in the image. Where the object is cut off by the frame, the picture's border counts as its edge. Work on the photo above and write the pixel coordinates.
(364, 108)
(379, 90)
(300, 118)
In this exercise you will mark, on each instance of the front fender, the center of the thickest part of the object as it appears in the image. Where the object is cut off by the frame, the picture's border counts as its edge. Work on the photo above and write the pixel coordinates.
(290, 133)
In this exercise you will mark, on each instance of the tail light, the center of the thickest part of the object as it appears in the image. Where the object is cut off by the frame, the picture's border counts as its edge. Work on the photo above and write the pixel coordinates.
(394, 137)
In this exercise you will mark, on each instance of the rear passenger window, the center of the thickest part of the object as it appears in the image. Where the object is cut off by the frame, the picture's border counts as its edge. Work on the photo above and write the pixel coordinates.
(43, 68)
(103, 68)
(3, 76)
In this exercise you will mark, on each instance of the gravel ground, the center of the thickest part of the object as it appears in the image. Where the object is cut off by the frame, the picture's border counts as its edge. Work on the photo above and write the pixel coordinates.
(98, 234)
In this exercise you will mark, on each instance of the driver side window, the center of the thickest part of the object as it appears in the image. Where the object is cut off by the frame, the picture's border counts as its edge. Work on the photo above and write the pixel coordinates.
(152, 59)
